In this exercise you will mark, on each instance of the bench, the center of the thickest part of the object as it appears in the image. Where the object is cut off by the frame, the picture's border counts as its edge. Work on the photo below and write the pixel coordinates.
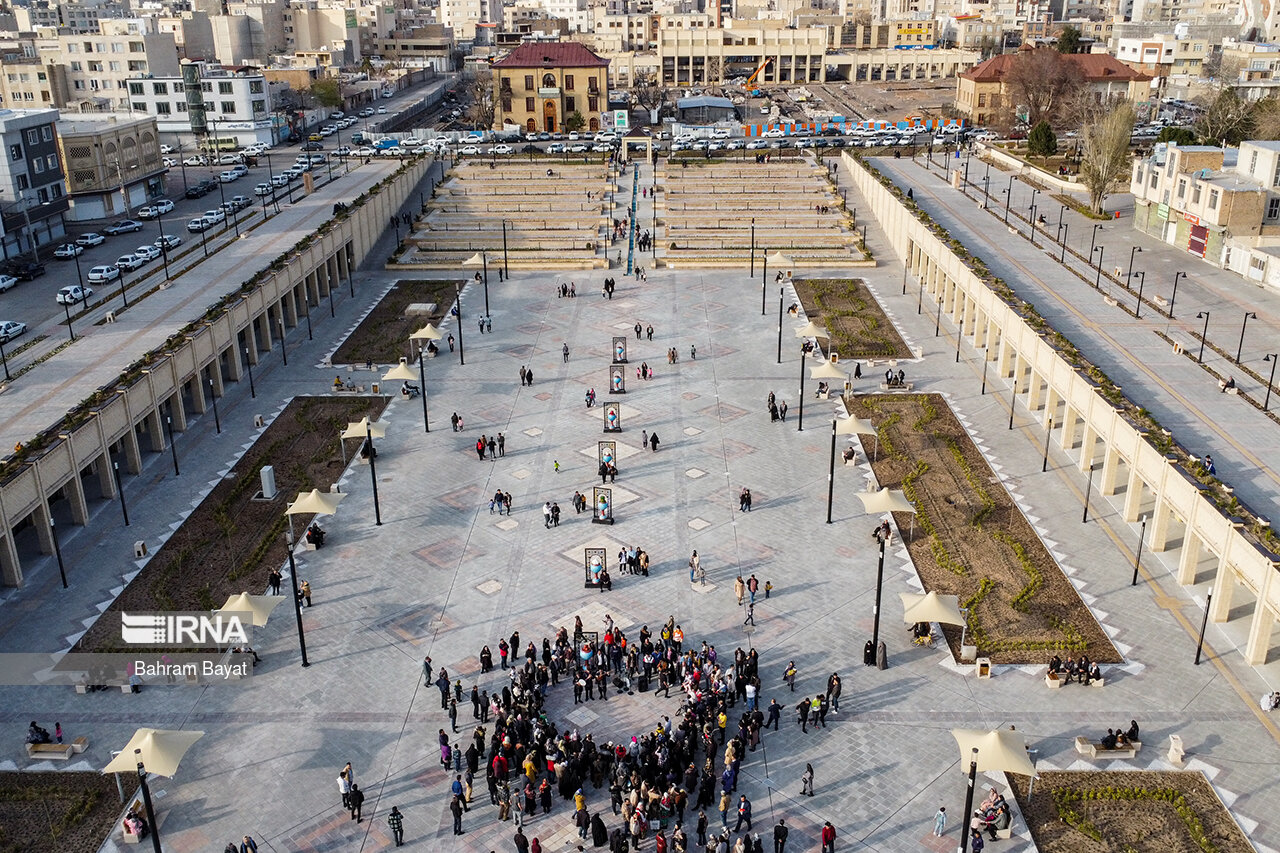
(901, 386)
(1052, 680)
(80, 744)
(137, 807)
(1084, 746)
(53, 751)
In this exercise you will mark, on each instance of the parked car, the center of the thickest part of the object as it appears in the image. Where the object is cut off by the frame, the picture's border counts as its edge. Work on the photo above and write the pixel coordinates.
(200, 224)
(195, 160)
(124, 226)
(469, 149)
(263, 189)
(10, 329)
(101, 273)
(228, 177)
(230, 159)
(24, 270)
(195, 191)
(410, 142)
(90, 239)
(506, 149)
(553, 148)
(147, 252)
(364, 151)
(366, 112)
(168, 241)
(157, 208)
(578, 149)
(74, 293)
(215, 215)
(6, 282)
(342, 151)
(240, 202)
(166, 149)
(68, 250)
(382, 111)
(127, 263)
(169, 162)
(279, 180)
(312, 146)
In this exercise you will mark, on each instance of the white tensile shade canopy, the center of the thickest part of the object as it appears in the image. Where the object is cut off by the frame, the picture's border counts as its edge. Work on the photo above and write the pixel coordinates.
(258, 606)
(400, 371)
(426, 333)
(475, 260)
(162, 750)
(931, 607)
(363, 427)
(316, 502)
(778, 259)
(855, 426)
(811, 330)
(885, 500)
(1000, 750)
(827, 370)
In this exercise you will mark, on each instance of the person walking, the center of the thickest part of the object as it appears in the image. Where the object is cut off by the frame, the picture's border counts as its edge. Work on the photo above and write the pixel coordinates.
(357, 803)
(752, 586)
(739, 589)
(940, 822)
(344, 787)
(502, 445)
(639, 329)
(744, 500)
(564, 351)
(803, 710)
(546, 521)
(775, 714)
(828, 838)
(834, 687)
(522, 843)
(426, 670)
(273, 580)
(789, 676)
(744, 813)
(644, 438)
(653, 442)
(523, 375)
(482, 443)
(751, 614)
(806, 781)
(780, 837)
(395, 822)
(649, 331)
(456, 807)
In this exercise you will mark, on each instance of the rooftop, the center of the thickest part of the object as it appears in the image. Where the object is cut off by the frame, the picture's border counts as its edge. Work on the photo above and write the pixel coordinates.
(559, 54)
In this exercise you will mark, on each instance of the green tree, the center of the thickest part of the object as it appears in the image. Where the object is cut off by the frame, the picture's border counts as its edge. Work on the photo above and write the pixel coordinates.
(327, 92)
(1069, 40)
(1042, 142)
(574, 121)
(1178, 135)
(1105, 157)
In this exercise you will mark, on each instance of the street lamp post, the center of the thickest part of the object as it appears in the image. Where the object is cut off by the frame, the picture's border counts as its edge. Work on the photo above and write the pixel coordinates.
(297, 598)
(752, 273)
(1032, 216)
(5, 360)
(1062, 259)
(217, 422)
(1273, 358)
(764, 276)
(462, 352)
(164, 247)
(1008, 198)
(253, 392)
(57, 551)
(831, 471)
(115, 472)
(1248, 315)
(1060, 212)
(968, 802)
(66, 309)
(284, 350)
(1094, 239)
(506, 267)
(986, 192)
(173, 448)
(1174, 295)
(373, 472)
(937, 323)
(146, 801)
(875, 613)
(1203, 335)
(780, 292)
(1142, 282)
(422, 380)
(1097, 279)
(1128, 279)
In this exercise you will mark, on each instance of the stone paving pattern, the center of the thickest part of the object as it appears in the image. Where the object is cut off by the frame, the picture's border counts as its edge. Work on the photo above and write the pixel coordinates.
(441, 576)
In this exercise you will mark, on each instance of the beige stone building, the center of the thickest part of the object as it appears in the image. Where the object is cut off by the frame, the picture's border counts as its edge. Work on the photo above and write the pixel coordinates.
(112, 163)
(1164, 55)
(982, 95)
(539, 85)
(693, 57)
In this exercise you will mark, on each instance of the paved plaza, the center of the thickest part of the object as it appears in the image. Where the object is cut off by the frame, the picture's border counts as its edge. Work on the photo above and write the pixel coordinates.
(442, 576)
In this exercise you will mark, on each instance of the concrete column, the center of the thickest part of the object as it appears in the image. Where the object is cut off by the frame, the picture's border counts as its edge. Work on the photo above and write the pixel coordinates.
(106, 481)
(40, 518)
(1007, 355)
(1110, 469)
(1035, 390)
(177, 411)
(76, 500)
(155, 429)
(196, 383)
(1088, 447)
(10, 565)
(266, 336)
(1260, 626)
(1189, 559)
(1133, 496)
(1224, 586)
(1067, 439)
(215, 373)
(1158, 529)
(1051, 400)
(290, 304)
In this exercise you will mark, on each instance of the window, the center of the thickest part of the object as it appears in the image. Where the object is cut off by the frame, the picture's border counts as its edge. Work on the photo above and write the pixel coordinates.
(568, 82)
(179, 88)
(528, 105)
(528, 81)
(162, 108)
(1182, 189)
(76, 66)
(593, 104)
(548, 81)
(1273, 208)
(226, 107)
(1195, 194)
(33, 136)
(224, 88)
(15, 152)
(255, 87)
(160, 88)
(38, 165)
(1155, 179)
(138, 107)
(569, 105)
(982, 100)
(46, 133)
(259, 107)
(51, 162)
(1213, 199)
(1253, 162)
(135, 88)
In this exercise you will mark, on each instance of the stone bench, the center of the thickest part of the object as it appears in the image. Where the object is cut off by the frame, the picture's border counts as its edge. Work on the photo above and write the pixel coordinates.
(51, 751)
(900, 386)
(1093, 749)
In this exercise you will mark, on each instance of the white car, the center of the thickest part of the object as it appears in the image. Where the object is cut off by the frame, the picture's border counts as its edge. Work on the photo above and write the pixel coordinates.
(230, 159)
(329, 130)
(756, 145)
(166, 149)
(68, 250)
(773, 133)
(102, 273)
(394, 151)
(602, 147)
(195, 161)
(504, 149)
(168, 241)
(735, 144)
(263, 189)
(720, 133)
(364, 151)
(555, 148)
(228, 177)
(279, 180)
(215, 215)
(155, 209)
(573, 134)
(169, 162)
(199, 224)
(410, 142)
(342, 151)
(382, 111)
(578, 149)
(127, 263)
(90, 239)
(6, 282)
(366, 112)
(469, 149)
(10, 329)
(337, 114)
(75, 293)
(147, 253)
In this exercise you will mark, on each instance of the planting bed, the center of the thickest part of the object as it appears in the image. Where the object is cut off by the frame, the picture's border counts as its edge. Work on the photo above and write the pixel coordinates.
(383, 336)
(69, 812)
(970, 539)
(230, 542)
(1130, 812)
(858, 327)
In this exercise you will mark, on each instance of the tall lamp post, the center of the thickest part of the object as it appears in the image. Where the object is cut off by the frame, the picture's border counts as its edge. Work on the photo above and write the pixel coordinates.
(1142, 282)
(1062, 229)
(146, 801)
(1097, 279)
(1008, 198)
(1128, 279)
(1093, 241)
(426, 333)
(1203, 335)
(297, 598)
(1273, 358)
(367, 431)
(1173, 296)
(968, 801)
(764, 277)
(1248, 315)
(848, 426)
(810, 330)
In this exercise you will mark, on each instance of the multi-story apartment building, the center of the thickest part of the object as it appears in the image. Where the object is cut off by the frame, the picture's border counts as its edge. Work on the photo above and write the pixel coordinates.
(225, 103)
(615, 33)
(1222, 205)
(1251, 68)
(113, 164)
(311, 25)
(421, 47)
(32, 191)
(1163, 55)
(464, 16)
(710, 56)
(539, 85)
(99, 65)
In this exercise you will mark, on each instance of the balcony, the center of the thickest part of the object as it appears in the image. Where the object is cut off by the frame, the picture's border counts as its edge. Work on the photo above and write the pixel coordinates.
(548, 93)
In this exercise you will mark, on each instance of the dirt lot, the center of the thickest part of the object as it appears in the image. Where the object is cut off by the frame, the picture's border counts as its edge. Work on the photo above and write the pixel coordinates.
(891, 101)
(970, 539)
(1133, 812)
(858, 327)
(66, 812)
(383, 336)
(230, 542)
